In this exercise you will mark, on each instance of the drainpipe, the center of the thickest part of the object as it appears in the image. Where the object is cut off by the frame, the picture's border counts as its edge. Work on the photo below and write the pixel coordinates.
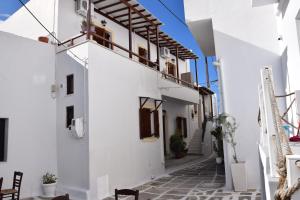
(226, 147)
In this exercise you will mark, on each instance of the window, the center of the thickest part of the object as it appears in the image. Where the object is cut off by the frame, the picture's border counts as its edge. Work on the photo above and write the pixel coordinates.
(181, 126)
(143, 55)
(149, 123)
(69, 115)
(171, 69)
(102, 33)
(70, 84)
(3, 139)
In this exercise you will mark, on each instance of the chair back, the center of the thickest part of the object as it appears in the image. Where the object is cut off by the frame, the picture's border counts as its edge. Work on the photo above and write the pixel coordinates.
(17, 180)
(126, 192)
(63, 197)
(1, 181)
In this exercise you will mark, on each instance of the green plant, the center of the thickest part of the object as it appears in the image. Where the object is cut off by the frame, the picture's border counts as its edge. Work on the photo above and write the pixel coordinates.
(177, 144)
(218, 144)
(229, 127)
(49, 178)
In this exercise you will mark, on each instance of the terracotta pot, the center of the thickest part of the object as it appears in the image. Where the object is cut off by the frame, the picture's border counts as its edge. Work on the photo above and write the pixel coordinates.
(43, 39)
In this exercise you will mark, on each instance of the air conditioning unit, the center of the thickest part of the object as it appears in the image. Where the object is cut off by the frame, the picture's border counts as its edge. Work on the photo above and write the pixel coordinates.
(82, 7)
(164, 52)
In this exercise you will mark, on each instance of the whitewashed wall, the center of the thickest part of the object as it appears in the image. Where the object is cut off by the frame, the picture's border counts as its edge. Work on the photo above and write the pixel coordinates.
(289, 27)
(26, 74)
(73, 156)
(174, 109)
(245, 41)
(118, 158)
(23, 24)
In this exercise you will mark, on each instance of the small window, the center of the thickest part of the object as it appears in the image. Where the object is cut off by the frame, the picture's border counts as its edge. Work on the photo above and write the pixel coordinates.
(3, 139)
(143, 55)
(70, 84)
(69, 115)
(149, 123)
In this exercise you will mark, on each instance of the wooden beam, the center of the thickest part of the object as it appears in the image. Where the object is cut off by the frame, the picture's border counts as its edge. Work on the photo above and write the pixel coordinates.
(207, 73)
(142, 22)
(177, 64)
(134, 18)
(196, 71)
(137, 11)
(123, 15)
(89, 22)
(130, 32)
(157, 48)
(110, 5)
(121, 9)
(148, 43)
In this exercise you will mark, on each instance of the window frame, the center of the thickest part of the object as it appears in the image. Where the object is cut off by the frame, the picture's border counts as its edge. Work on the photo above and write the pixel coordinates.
(4, 139)
(70, 86)
(68, 116)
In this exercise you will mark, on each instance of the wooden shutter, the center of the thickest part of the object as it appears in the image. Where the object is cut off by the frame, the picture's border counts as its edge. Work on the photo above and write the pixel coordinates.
(184, 127)
(143, 54)
(179, 124)
(171, 69)
(156, 123)
(100, 33)
(107, 36)
(145, 123)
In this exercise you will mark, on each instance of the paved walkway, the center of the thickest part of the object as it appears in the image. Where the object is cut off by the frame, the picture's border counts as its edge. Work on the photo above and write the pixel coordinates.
(200, 181)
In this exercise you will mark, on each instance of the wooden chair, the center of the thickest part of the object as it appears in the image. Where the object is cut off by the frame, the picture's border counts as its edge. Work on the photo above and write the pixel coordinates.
(1, 181)
(15, 191)
(126, 192)
(63, 197)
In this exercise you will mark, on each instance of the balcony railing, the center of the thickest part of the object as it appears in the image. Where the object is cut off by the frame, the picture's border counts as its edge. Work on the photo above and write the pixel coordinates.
(73, 41)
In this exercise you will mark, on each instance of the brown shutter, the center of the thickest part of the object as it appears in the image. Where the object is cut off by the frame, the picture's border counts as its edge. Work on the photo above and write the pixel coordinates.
(145, 123)
(143, 54)
(156, 123)
(179, 125)
(100, 32)
(184, 128)
(171, 69)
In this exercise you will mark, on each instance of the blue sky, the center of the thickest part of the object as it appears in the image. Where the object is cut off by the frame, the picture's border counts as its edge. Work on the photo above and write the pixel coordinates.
(170, 12)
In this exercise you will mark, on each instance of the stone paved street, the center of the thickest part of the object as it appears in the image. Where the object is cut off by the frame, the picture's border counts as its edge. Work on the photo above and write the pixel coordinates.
(200, 181)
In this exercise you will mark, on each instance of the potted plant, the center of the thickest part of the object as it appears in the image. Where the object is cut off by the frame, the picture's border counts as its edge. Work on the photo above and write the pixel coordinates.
(218, 144)
(238, 168)
(178, 145)
(49, 184)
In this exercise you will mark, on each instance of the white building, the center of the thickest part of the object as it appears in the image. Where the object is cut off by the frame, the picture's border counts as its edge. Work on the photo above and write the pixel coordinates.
(246, 36)
(112, 78)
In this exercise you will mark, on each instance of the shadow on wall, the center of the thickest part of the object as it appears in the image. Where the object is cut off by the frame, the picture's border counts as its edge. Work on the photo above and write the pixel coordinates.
(241, 65)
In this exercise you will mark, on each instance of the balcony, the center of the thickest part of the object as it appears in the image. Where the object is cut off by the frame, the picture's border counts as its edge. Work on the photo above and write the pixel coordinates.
(134, 25)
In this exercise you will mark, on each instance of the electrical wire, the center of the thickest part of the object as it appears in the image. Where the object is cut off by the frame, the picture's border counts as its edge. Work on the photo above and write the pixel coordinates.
(174, 14)
(50, 33)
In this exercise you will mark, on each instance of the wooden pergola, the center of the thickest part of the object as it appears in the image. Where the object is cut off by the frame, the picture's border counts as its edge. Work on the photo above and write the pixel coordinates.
(134, 17)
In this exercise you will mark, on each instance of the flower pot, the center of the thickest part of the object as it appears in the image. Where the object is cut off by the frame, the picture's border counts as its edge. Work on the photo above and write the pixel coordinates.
(239, 176)
(219, 160)
(43, 39)
(49, 189)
